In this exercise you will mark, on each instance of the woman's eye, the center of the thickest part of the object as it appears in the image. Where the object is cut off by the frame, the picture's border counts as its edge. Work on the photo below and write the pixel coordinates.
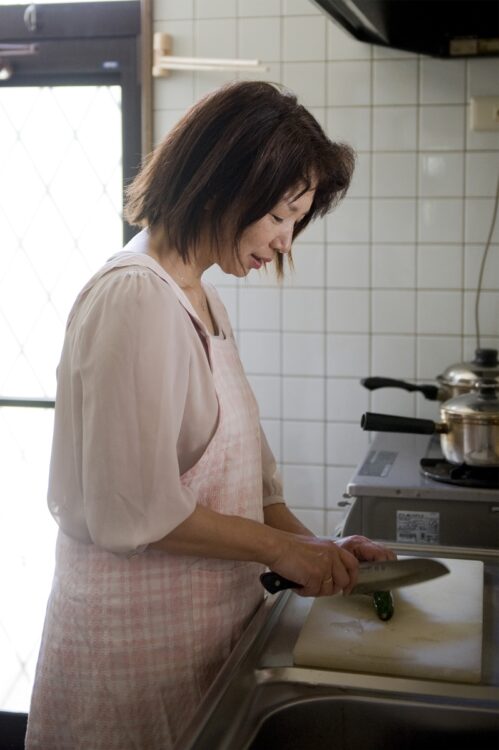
(277, 218)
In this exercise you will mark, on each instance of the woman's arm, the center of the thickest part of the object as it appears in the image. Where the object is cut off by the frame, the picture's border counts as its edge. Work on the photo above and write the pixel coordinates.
(279, 516)
(319, 565)
(206, 533)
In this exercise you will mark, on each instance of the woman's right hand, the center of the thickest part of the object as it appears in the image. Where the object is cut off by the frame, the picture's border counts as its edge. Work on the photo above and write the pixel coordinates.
(321, 566)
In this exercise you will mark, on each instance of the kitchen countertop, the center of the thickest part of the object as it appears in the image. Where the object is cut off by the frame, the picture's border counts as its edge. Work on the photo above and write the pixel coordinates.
(260, 674)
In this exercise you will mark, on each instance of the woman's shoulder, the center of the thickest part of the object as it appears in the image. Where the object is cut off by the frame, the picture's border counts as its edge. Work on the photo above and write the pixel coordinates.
(127, 282)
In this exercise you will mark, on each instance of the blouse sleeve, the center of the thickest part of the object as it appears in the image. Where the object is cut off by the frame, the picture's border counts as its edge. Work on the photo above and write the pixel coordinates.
(134, 365)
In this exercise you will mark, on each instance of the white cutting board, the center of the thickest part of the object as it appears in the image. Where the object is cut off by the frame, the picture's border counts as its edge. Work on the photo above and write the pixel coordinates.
(435, 632)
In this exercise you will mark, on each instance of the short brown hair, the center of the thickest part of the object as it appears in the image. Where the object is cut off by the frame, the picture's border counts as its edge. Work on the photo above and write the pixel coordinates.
(238, 150)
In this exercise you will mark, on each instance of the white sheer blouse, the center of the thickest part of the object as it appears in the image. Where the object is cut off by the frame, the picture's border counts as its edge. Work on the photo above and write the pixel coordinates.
(135, 408)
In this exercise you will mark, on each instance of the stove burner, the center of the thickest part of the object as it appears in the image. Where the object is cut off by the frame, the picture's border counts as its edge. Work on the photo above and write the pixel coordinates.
(460, 474)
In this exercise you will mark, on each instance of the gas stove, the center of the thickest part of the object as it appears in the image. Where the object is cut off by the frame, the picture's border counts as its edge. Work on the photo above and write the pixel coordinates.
(392, 498)
(463, 475)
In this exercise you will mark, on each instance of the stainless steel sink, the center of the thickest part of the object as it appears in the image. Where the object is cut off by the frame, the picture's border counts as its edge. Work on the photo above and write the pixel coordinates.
(262, 701)
(349, 723)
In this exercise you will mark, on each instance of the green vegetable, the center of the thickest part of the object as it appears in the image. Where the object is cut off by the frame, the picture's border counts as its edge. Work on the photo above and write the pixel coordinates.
(383, 604)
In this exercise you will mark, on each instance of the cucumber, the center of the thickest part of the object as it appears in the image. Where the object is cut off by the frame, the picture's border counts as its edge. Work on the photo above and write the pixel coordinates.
(383, 604)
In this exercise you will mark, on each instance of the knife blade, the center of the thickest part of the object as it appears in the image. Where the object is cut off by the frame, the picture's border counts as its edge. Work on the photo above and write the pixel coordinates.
(374, 576)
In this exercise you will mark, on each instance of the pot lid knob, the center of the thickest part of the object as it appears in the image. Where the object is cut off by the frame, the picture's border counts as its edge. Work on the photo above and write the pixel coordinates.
(484, 365)
(486, 358)
(481, 403)
(487, 388)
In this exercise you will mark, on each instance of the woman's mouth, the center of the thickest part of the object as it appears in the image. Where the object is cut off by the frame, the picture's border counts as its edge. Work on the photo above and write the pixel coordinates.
(257, 262)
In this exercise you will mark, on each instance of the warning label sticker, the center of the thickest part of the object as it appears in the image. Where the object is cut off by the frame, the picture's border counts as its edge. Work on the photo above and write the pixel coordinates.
(418, 527)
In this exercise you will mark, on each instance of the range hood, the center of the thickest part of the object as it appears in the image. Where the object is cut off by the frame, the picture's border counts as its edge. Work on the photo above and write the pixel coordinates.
(441, 28)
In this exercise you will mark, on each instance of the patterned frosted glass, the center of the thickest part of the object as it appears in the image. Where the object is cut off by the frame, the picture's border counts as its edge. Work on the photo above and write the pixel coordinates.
(60, 219)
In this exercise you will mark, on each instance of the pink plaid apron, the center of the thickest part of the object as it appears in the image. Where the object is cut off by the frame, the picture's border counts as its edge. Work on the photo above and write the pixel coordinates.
(130, 645)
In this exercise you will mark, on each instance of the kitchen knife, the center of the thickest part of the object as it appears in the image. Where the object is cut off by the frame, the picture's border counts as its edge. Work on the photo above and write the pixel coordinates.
(374, 576)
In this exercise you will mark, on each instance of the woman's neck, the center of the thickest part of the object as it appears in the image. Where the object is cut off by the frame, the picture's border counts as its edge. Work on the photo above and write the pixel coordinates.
(186, 274)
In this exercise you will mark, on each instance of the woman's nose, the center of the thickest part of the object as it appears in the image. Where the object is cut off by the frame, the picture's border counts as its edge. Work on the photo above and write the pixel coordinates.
(283, 242)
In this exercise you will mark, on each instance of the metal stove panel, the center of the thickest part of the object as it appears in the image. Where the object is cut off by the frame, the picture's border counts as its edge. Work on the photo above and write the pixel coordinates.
(391, 467)
(394, 502)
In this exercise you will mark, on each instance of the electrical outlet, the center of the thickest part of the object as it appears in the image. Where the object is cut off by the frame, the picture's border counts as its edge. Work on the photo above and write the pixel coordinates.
(484, 113)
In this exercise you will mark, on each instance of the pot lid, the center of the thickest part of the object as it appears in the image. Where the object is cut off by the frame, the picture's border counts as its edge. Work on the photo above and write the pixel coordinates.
(481, 404)
(485, 365)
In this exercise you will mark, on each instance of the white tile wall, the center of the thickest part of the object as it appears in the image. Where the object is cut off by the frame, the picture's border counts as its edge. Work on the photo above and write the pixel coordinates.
(260, 38)
(393, 266)
(303, 354)
(303, 442)
(481, 173)
(303, 310)
(395, 82)
(350, 222)
(442, 81)
(441, 266)
(441, 220)
(395, 128)
(356, 121)
(308, 266)
(472, 260)
(386, 284)
(305, 485)
(349, 84)
(303, 398)
(394, 220)
(394, 175)
(259, 310)
(348, 265)
(393, 356)
(304, 38)
(442, 127)
(347, 310)
(393, 311)
(441, 174)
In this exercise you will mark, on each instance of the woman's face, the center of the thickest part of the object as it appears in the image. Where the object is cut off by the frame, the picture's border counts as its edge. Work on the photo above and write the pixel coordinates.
(272, 234)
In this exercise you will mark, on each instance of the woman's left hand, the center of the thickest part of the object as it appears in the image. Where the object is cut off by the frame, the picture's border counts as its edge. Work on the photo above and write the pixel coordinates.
(364, 549)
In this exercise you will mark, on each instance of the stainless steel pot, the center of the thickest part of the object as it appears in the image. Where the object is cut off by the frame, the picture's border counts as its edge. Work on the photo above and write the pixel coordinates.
(456, 380)
(469, 426)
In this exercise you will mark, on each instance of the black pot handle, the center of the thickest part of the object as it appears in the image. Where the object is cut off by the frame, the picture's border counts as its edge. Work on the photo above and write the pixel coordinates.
(430, 392)
(390, 423)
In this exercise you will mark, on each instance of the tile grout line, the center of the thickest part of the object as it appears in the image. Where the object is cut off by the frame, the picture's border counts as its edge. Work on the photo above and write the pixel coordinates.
(416, 231)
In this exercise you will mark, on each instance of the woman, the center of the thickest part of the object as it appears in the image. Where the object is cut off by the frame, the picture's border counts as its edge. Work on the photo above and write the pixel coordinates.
(161, 480)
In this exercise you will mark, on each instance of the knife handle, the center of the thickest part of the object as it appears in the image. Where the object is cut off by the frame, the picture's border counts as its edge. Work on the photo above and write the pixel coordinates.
(274, 583)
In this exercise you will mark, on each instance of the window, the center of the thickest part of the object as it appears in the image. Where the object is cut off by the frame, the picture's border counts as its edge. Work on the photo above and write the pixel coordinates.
(70, 120)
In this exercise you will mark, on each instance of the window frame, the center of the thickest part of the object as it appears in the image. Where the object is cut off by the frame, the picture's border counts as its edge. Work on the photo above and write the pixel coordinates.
(74, 41)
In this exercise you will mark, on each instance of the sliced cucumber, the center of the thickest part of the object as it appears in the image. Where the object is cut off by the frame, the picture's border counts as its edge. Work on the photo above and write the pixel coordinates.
(383, 604)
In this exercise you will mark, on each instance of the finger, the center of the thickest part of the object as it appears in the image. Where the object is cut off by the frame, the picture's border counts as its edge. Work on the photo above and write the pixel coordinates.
(327, 587)
(378, 552)
(352, 566)
(369, 551)
(314, 584)
(307, 591)
(343, 571)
